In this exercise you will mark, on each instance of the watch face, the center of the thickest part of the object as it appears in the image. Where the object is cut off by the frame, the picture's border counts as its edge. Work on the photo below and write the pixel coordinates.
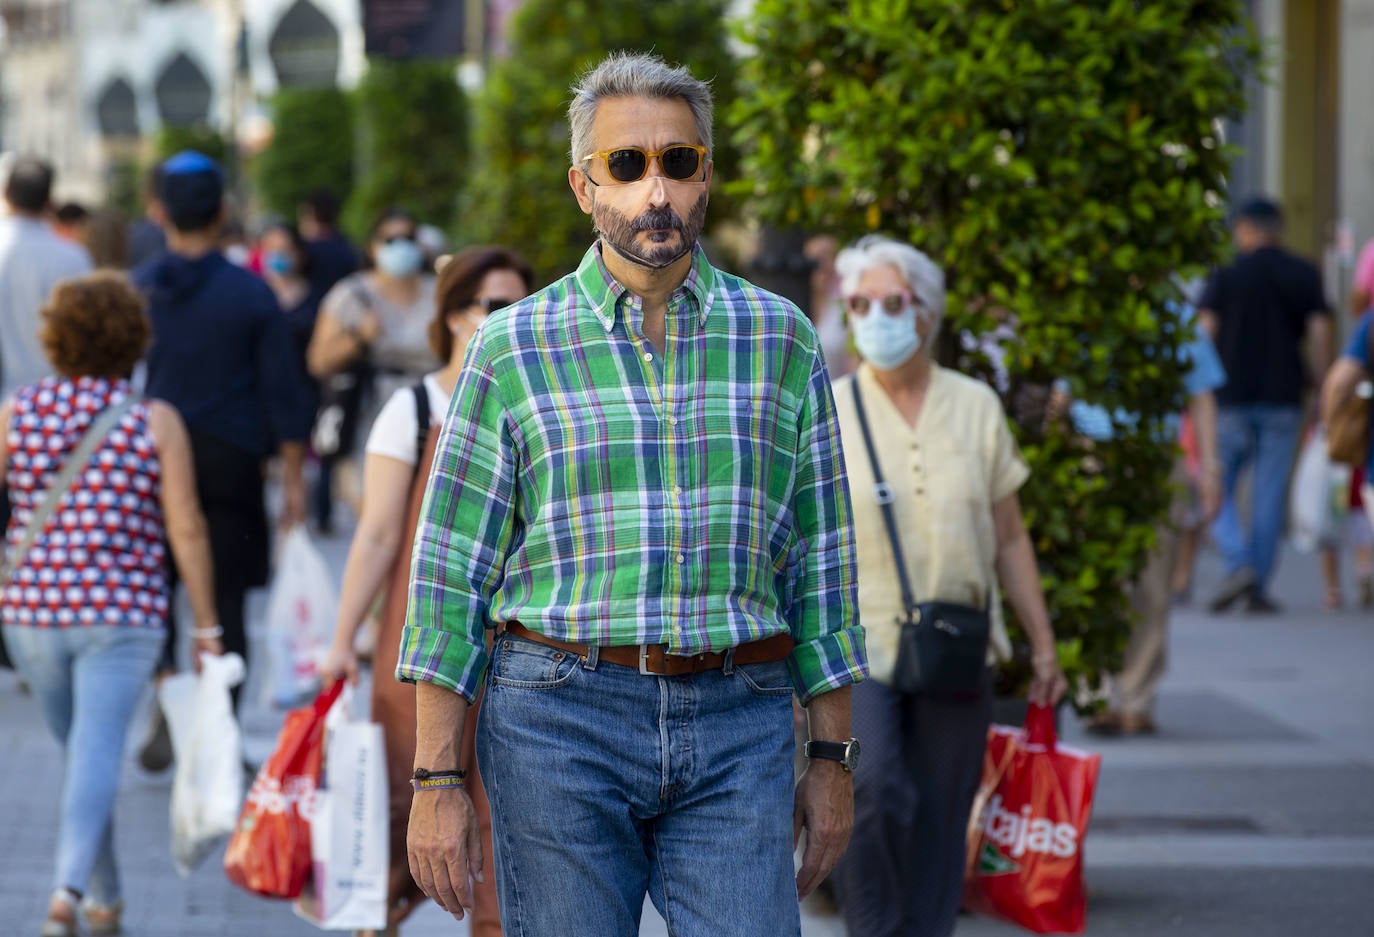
(851, 755)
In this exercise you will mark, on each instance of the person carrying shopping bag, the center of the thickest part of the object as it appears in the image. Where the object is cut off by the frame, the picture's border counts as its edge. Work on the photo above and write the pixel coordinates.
(934, 474)
(471, 284)
(99, 482)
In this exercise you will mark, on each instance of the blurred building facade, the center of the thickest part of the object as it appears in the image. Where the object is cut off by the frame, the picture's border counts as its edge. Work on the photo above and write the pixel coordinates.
(81, 80)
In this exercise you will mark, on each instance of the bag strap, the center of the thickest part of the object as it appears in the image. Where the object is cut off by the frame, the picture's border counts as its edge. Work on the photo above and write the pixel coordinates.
(422, 416)
(95, 434)
(882, 493)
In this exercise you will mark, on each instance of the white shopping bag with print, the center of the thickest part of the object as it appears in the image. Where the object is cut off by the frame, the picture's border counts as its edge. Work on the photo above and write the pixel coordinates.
(349, 842)
(208, 790)
(300, 619)
(1318, 500)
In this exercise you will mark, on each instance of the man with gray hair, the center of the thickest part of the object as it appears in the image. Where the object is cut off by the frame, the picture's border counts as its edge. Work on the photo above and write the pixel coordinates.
(640, 487)
(33, 258)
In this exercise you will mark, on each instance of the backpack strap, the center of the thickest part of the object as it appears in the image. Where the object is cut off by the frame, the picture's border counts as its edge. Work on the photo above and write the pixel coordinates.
(422, 416)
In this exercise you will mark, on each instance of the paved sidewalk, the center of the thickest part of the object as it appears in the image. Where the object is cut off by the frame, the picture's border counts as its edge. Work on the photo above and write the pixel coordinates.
(1248, 814)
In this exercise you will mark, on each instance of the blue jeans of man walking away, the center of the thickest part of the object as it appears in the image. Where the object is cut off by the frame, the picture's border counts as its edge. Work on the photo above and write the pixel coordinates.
(606, 784)
(1265, 437)
(87, 681)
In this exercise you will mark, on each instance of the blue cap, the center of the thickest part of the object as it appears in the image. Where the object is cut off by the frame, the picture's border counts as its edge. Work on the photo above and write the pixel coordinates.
(189, 161)
(191, 188)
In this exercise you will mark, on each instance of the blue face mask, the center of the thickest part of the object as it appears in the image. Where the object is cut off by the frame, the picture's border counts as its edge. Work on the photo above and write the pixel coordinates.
(887, 341)
(280, 263)
(399, 258)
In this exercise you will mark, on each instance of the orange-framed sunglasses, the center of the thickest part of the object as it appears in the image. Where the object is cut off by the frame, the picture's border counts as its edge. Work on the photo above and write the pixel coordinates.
(626, 164)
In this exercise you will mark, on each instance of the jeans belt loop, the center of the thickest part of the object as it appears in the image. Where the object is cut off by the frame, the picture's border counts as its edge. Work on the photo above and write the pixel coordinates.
(593, 657)
(727, 665)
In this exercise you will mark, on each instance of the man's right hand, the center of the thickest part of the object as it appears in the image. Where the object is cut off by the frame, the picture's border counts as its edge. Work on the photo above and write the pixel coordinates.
(444, 845)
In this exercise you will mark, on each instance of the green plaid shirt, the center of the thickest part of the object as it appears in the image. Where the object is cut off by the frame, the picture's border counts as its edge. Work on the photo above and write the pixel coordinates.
(600, 492)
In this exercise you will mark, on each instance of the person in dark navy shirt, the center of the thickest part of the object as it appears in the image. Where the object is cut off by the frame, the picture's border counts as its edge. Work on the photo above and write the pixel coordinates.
(222, 355)
(1260, 311)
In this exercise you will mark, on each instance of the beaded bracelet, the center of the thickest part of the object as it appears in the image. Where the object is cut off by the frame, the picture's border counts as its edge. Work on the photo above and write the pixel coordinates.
(207, 634)
(423, 780)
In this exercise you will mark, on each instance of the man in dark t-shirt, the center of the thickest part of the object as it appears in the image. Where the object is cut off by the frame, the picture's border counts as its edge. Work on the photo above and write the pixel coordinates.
(1260, 310)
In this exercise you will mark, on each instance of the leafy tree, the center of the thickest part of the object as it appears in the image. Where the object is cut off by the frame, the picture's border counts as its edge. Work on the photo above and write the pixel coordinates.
(517, 193)
(311, 148)
(413, 151)
(1061, 161)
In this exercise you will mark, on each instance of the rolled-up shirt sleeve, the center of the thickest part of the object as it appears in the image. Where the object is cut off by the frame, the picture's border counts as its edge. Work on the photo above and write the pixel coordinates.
(466, 528)
(823, 616)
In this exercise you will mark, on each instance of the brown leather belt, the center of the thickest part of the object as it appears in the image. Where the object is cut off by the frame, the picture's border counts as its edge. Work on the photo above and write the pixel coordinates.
(653, 659)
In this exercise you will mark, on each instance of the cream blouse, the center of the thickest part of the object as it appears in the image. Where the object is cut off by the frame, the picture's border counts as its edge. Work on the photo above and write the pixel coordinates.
(946, 474)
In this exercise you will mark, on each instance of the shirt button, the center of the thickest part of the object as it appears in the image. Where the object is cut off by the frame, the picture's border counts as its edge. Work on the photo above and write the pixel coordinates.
(681, 558)
(672, 421)
(677, 489)
(677, 629)
(648, 356)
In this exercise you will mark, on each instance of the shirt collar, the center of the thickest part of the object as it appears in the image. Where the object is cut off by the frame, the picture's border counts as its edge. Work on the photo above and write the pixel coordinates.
(604, 291)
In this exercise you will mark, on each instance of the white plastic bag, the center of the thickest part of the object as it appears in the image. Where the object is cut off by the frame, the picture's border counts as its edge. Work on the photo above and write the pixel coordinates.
(1319, 497)
(300, 619)
(208, 789)
(349, 841)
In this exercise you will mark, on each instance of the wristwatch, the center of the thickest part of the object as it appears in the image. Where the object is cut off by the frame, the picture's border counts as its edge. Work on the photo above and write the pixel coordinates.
(846, 753)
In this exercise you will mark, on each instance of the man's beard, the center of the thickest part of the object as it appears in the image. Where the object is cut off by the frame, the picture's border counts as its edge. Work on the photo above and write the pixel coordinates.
(619, 232)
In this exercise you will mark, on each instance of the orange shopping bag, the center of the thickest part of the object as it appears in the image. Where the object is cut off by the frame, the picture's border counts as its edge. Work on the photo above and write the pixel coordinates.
(1025, 852)
(269, 851)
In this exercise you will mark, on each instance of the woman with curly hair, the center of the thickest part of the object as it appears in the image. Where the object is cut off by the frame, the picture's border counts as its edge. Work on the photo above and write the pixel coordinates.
(84, 605)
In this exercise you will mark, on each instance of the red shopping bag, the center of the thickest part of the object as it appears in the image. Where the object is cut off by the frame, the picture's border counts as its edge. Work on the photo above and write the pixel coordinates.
(269, 851)
(1025, 853)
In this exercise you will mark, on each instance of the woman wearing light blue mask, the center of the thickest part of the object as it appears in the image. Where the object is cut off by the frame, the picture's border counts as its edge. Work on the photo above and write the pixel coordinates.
(372, 334)
(949, 470)
(286, 268)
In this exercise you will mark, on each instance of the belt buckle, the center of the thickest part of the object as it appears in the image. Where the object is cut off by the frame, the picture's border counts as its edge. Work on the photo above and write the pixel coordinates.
(644, 661)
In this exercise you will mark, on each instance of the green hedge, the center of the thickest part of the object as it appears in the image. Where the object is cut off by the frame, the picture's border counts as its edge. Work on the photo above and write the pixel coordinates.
(413, 143)
(517, 193)
(1061, 160)
(311, 148)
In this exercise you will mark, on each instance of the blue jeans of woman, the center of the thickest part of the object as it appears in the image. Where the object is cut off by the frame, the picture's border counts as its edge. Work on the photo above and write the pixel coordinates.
(606, 784)
(88, 681)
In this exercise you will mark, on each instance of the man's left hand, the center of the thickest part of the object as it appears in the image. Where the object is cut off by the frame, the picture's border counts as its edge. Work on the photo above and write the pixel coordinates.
(824, 807)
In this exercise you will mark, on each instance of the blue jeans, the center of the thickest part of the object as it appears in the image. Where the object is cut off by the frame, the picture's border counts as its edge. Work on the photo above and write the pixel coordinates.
(88, 681)
(1267, 436)
(606, 785)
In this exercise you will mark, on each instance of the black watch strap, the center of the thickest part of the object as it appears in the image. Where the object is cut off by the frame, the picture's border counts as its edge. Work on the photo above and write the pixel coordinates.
(846, 753)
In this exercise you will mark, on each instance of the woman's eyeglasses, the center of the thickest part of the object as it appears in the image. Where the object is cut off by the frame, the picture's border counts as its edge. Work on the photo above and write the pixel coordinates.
(892, 304)
(679, 162)
(492, 304)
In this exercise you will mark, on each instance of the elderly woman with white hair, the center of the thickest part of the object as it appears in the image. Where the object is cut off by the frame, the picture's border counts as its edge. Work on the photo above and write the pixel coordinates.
(933, 472)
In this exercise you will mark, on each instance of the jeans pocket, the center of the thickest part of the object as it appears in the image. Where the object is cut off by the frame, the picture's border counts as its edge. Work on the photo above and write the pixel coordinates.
(766, 679)
(528, 665)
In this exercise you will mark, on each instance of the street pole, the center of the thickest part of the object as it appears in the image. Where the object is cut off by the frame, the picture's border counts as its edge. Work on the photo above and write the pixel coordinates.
(237, 48)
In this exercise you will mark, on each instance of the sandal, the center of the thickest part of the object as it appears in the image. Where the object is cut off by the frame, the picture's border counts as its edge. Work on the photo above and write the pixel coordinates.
(61, 921)
(102, 920)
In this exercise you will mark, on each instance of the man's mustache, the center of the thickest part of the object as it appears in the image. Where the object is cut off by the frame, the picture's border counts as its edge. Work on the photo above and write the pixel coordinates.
(658, 219)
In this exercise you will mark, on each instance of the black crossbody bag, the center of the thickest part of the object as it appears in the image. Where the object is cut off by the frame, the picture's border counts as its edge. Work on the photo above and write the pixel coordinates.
(943, 646)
